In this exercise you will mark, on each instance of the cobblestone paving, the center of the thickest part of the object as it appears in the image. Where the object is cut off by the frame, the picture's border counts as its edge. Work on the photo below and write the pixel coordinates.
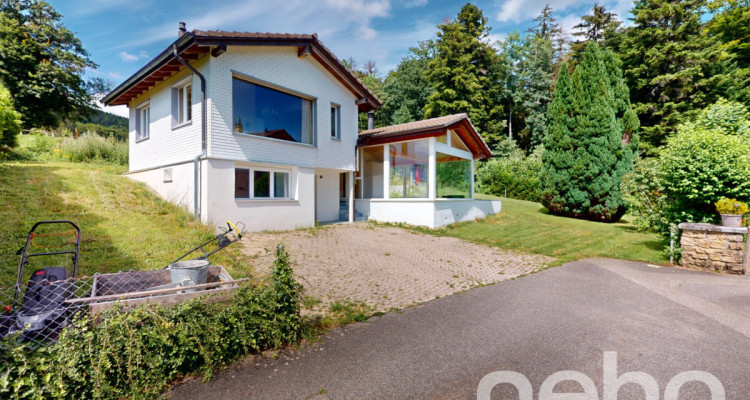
(387, 267)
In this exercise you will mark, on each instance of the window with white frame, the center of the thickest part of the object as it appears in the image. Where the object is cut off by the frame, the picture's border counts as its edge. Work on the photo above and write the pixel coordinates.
(182, 95)
(335, 121)
(261, 183)
(142, 122)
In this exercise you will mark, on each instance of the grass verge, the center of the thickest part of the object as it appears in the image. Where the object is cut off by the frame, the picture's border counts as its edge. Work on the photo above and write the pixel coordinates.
(123, 225)
(527, 226)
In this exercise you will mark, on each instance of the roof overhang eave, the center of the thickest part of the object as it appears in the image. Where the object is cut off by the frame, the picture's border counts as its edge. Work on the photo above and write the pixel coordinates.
(164, 57)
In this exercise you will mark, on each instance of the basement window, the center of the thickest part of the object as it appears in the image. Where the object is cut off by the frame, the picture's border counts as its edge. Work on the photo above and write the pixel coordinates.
(261, 183)
(167, 175)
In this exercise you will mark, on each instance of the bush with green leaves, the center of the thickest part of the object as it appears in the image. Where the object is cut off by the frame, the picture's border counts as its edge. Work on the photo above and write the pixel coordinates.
(10, 120)
(135, 354)
(706, 160)
(514, 175)
(644, 193)
(91, 147)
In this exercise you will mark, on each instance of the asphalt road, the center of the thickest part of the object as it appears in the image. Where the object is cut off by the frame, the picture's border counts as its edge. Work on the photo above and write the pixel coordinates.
(660, 321)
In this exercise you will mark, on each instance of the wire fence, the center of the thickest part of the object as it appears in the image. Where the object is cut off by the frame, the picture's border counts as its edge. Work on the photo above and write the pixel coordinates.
(37, 311)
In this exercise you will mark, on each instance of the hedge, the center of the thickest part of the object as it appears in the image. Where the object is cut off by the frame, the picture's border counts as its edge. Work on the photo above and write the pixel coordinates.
(135, 354)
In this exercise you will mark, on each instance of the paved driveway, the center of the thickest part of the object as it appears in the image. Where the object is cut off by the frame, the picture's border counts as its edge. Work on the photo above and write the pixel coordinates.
(660, 321)
(388, 267)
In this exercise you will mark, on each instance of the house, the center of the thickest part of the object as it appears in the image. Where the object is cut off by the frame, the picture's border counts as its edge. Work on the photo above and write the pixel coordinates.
(262, 128)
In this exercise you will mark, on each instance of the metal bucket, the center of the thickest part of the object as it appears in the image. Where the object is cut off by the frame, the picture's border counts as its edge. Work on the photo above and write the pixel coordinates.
(189, 273)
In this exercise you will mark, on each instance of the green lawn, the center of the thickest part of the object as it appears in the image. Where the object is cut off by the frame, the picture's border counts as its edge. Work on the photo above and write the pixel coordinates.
(124, 226)
(528, 227)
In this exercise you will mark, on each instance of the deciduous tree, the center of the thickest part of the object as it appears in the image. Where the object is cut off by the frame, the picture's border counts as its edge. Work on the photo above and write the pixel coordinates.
(42, 63)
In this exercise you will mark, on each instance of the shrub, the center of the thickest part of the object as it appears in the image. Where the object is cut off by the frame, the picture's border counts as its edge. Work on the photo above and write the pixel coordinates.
(135, 354)
(10, 124)
(644, 193)
(91, 147)
(699, 166)
(514, 175)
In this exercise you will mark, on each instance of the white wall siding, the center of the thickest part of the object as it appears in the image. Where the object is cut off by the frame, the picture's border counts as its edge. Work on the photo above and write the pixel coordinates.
(259, 215)
(281, 67)
(429, 213)
(327, 195)
(179, 191)
(165, 145)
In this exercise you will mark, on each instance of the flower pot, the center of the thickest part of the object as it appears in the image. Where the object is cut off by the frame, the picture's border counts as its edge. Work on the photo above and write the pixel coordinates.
(731, 220)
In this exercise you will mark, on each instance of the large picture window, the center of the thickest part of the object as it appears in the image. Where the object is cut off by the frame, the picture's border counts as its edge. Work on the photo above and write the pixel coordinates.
(453, 176)
(260, 183)
(409, 169)
(270, 113)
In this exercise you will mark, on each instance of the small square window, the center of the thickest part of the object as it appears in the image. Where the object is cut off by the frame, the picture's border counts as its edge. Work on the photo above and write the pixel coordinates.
(335, 121)
(241, 183)
(167, 175)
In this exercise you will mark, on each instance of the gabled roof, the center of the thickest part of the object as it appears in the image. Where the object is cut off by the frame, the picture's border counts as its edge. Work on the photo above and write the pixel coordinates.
(459, 123)
(193, 44)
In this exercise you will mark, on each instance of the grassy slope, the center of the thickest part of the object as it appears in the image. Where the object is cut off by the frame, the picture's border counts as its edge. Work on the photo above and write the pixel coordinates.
(123, 225)
(527, 226)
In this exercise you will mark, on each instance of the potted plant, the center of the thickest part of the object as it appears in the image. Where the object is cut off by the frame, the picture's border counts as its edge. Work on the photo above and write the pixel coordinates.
(731, 211)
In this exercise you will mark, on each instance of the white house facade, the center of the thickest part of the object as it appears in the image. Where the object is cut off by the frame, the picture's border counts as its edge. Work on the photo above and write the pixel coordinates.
(276, 145)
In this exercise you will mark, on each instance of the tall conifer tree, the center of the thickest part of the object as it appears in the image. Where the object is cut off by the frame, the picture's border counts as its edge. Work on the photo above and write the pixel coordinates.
(464, 72)
(586, 155)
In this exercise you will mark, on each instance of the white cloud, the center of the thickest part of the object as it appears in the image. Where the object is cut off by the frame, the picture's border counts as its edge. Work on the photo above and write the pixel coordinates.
(127, 57)
(415, 3)
(494, 38)
(567, 23)
(114, 75)
(520, 10)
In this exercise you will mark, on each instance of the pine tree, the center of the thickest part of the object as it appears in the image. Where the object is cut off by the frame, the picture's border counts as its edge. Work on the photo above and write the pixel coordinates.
(596, 27)
(559, 146)
(663, 62)
(730, 26)
(538, 69)
(463, 74)
(585, 157)
(547, 28)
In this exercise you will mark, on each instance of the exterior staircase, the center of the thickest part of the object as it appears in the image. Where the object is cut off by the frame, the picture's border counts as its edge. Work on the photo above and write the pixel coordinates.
(344, 212)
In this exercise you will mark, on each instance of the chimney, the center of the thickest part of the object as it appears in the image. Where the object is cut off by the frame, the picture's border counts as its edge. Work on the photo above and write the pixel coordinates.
(370, 120)
(181, 30)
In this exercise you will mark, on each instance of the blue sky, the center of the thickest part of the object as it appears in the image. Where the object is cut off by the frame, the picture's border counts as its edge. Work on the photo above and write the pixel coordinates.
(123, 35)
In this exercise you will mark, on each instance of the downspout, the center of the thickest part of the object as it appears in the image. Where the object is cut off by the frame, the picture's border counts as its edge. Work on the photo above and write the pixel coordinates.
(204, 129)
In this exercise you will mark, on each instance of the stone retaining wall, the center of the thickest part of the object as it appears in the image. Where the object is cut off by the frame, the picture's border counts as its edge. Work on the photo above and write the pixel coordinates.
(714, 247)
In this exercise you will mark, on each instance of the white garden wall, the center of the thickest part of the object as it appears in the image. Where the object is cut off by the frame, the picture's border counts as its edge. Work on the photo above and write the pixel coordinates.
(425, 212)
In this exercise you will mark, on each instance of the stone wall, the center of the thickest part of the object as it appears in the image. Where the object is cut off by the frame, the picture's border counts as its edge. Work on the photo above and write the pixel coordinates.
(713, 247)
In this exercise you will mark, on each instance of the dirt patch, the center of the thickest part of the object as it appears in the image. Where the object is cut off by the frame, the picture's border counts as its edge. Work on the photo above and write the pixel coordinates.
(387, 267)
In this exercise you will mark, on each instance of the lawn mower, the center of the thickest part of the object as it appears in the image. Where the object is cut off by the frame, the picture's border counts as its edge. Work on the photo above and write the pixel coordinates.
(228, 235)
(42, 313)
